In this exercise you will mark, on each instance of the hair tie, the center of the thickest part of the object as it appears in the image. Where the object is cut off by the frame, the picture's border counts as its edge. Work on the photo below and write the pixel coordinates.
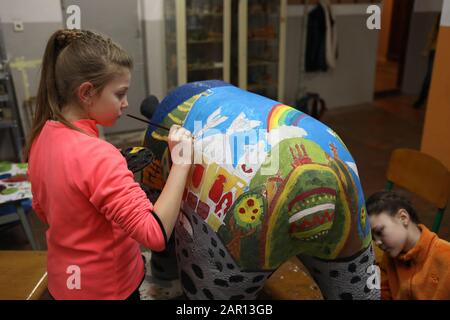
(66, 37)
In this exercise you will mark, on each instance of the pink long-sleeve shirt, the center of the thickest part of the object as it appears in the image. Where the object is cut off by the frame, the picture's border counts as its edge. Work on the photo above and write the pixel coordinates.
(97, 214)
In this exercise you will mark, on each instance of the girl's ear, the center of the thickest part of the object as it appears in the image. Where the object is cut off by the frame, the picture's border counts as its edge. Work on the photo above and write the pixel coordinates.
(85, 92)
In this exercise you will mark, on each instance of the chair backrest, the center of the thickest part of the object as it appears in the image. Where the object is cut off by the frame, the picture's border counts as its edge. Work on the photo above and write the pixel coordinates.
(422, 175)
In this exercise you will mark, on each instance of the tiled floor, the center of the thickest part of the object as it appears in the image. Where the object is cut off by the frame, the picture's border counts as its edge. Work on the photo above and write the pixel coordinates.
(370, 131)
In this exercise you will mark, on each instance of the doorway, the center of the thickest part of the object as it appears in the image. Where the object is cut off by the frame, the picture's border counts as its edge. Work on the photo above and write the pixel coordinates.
(392, 45)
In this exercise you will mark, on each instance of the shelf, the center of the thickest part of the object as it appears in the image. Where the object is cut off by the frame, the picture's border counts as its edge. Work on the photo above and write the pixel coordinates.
(257, 63)
(10, 116)
(217, 65)
(205, 41)
(202, 41)
(264, 14)
(264, 85)
(204, 14)
(6, 124)
(262, 39)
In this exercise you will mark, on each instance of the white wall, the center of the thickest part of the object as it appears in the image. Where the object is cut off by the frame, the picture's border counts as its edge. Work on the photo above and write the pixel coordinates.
(338, 10)
(152, 10)
(30, 11)
(40, 19)
(445, 18)
(352, 81)
(155, 52)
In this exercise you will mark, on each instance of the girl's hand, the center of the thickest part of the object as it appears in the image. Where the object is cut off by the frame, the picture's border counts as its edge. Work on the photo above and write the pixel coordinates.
(181, 146)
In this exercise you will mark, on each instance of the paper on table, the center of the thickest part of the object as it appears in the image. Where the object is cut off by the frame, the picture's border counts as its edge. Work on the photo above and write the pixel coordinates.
(13, 191)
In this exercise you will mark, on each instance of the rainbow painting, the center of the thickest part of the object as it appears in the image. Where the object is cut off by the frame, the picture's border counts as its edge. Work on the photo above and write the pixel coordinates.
(282, 115)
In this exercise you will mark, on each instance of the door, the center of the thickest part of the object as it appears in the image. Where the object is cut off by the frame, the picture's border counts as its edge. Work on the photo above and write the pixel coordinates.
(401, 16)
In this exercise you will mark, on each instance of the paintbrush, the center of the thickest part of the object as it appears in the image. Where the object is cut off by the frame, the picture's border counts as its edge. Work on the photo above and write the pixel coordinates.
(148, 122)
(153, 124)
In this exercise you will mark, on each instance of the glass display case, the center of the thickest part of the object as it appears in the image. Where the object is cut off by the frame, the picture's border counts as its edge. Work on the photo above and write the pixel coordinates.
(171, 44)
(239, 41)
(262, 42)
(197, 40)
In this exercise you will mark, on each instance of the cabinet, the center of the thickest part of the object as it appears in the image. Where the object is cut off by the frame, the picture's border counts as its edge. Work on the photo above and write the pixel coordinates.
(238, 41)
(198, 40)
(262, 46)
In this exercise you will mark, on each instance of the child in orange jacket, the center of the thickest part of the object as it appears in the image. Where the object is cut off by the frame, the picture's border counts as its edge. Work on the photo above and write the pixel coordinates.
(415, 261)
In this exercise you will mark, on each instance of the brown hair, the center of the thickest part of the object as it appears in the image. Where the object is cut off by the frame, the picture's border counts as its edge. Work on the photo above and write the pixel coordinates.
(390, 202)
(72, 57)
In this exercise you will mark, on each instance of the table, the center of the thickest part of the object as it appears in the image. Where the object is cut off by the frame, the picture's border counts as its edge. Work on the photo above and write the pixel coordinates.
(14, 184)
(14, 188)
(23, 275)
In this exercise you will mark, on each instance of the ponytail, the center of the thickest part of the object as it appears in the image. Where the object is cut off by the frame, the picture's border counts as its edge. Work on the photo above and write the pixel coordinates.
(47, 101)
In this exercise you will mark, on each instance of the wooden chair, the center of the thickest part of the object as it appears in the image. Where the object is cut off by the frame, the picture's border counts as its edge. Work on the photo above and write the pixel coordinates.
(23, 275)
(423, 175)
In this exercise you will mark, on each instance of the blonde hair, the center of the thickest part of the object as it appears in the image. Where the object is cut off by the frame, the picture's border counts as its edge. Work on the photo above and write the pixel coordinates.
(72, 57)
